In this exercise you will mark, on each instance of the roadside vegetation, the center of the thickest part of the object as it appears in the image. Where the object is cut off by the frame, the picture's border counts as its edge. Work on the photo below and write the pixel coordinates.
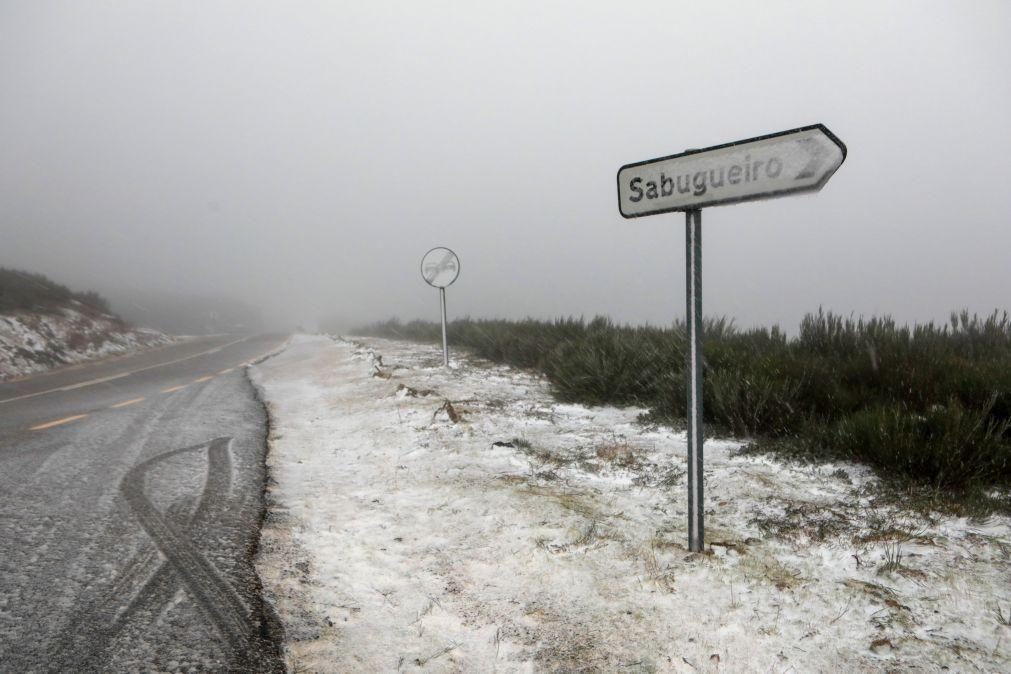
(25, 291)
(927, 406)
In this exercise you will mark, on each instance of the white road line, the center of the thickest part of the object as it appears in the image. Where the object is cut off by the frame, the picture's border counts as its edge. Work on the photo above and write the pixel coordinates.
(122, 374)
(126, 403)
(91, 382)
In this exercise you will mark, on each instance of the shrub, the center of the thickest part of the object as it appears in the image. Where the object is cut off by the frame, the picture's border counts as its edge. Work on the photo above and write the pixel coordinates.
(946, 447)
(21, 290)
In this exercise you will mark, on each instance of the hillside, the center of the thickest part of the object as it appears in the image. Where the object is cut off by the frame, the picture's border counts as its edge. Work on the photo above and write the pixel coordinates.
(44, 325)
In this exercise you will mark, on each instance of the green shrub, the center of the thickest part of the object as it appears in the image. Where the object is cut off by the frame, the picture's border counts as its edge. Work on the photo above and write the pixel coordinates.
(945, 447)
(754, 400)
(25, 291)
(598, 369)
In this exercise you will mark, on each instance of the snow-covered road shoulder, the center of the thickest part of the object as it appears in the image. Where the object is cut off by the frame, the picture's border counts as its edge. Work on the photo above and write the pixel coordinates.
(421, 519)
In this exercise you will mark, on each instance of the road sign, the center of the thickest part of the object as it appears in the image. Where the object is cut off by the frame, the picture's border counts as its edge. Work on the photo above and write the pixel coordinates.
(800, 160)
(440, 267)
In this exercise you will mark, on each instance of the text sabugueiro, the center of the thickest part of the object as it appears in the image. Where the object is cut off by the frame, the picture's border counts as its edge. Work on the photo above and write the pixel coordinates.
(700, 181)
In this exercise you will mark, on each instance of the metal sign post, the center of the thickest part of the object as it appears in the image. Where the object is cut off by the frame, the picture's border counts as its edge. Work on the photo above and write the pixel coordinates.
(445, 343)
(776, 165)
(693, 327)
(440, 267)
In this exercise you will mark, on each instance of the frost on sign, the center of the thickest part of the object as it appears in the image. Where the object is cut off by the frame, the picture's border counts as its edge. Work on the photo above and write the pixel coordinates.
(440, 267)
(784, 163)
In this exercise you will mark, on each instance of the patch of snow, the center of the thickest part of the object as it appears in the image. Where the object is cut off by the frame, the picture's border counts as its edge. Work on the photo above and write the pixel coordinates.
(508, 532)
(35, 342)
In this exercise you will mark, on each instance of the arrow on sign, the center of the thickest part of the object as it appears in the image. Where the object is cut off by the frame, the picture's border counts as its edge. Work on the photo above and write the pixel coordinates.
(800, 160)
(818, 154)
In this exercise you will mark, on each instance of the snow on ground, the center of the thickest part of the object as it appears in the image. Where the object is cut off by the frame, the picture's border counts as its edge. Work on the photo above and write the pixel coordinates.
(34, 342)
(507, 532)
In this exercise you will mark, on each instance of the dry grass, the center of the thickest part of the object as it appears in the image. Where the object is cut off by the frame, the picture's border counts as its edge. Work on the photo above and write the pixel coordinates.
(813, 521)
(659, 574)
(891, 559)
(765, 567)
(451, 412)
(618, 454)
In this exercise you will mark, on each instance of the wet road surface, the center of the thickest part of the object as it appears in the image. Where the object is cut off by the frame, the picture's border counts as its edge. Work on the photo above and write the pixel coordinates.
(130, 503)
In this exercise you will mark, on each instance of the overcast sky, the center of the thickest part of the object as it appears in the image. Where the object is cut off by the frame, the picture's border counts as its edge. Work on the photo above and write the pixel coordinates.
(304, 155)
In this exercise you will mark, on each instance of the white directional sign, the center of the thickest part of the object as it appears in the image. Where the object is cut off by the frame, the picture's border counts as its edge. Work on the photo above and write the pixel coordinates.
(801, 160)
(440, 267)
(776, 165)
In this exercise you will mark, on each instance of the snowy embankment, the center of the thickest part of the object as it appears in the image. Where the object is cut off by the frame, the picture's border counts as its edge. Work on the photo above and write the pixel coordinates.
(502, 531)
(33, 342)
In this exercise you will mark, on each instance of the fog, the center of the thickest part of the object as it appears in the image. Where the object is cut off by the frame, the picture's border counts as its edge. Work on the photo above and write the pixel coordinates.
(302, 157)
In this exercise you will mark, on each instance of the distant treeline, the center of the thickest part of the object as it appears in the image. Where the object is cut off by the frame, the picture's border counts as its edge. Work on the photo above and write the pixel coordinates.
(21, 290)
(928, 406)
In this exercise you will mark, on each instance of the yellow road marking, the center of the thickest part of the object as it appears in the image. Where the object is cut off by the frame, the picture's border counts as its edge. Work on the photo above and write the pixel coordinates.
(226, 370)
(172, 389)
(131, 401)
(58, 422)
(197, 381)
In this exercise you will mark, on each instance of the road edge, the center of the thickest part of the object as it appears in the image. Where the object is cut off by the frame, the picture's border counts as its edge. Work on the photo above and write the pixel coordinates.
(272, 630)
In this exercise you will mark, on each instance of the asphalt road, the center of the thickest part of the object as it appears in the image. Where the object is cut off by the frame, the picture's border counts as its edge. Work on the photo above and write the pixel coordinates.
(130, 504)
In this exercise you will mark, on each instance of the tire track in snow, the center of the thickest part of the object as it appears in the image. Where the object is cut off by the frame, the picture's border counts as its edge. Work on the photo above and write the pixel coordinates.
(160, 586)
(104, 619)
(183, 566)
(212, 594)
